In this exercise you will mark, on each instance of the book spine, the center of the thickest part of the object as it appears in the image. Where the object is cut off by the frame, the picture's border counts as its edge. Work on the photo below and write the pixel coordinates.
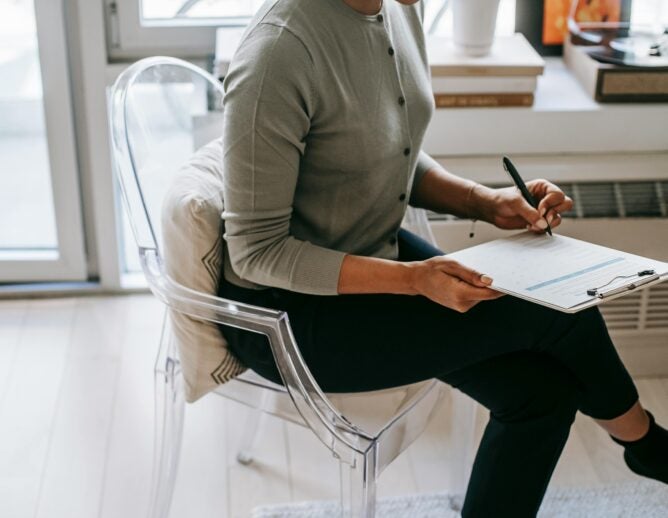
(484, 85)
(484, 71)
(482, 100)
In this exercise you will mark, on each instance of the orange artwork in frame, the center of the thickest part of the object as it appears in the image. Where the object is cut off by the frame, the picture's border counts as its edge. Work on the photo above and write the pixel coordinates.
(555, 16)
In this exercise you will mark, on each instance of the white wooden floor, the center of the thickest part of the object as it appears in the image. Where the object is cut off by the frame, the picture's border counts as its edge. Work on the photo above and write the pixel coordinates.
(76, 425)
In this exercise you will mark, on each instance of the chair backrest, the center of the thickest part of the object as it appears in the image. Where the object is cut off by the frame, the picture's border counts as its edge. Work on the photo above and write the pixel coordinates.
(163, 110)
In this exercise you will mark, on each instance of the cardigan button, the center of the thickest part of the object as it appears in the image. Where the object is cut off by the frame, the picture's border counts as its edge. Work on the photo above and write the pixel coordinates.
(401, 101)
(393, 241)
(407, 151)
(402, 197)
(390, 51)
(379, 17)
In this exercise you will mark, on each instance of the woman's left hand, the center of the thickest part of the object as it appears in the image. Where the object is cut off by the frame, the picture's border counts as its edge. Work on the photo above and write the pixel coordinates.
(509, 210)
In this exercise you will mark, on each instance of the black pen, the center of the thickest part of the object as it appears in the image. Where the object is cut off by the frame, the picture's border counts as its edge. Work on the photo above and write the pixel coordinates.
(508, 166)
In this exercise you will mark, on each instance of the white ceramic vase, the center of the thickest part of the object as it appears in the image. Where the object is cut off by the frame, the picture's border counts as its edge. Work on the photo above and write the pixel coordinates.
(474, 23)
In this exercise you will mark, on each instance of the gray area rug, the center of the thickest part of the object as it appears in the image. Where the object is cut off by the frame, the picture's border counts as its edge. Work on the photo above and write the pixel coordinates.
(646, 500)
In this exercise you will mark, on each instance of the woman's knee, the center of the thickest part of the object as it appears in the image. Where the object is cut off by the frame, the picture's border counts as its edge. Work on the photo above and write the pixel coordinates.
(578, 338)
(550, 393)
(520, 386)
(590, 322)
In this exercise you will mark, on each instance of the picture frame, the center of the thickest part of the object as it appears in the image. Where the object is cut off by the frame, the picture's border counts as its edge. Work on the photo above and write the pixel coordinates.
(530, 21)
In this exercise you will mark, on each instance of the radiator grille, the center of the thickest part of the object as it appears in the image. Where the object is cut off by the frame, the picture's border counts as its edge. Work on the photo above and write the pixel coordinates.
(657, 308)
(648, 199)
(623, 313)
(595, 200)
(642, 199)
(632, 313)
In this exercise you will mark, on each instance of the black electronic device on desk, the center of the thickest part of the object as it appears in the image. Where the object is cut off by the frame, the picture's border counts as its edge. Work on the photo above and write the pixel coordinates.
(625, 61)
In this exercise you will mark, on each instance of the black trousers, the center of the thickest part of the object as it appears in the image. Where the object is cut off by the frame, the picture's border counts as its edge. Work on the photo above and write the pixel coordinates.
(531, 366)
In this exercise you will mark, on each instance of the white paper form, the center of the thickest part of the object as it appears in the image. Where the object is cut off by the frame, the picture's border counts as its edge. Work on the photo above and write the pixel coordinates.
(555, 271)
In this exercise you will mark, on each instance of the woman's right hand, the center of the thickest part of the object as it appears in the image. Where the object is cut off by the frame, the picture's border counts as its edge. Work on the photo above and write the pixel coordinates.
(450, 283)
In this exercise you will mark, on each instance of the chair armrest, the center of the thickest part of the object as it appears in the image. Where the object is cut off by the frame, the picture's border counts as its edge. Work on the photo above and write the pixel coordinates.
(330, 426)
(408, 423)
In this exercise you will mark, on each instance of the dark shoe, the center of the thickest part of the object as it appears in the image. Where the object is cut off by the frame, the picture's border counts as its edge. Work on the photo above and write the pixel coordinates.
(648, 456)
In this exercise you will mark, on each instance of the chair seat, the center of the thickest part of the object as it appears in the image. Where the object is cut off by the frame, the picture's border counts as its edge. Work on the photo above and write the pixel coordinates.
(370, 410)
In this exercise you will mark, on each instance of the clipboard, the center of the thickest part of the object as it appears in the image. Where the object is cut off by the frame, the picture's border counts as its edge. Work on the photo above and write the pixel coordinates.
(560, 272)
(595, 301)
(622, 291)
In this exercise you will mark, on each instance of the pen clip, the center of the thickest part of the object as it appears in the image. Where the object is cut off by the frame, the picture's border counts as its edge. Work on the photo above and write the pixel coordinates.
(645, 275)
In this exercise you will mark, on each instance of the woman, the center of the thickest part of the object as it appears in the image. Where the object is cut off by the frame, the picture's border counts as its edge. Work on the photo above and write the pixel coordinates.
(326, 106)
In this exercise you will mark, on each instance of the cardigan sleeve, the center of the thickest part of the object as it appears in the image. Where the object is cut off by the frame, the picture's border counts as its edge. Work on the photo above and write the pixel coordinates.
(267, 109)
(424, 163)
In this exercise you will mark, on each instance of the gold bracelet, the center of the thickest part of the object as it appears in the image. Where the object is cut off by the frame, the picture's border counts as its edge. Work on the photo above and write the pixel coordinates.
(468, 200)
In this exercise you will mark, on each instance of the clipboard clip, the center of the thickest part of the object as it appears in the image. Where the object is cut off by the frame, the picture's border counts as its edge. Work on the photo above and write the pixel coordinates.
(645, 275)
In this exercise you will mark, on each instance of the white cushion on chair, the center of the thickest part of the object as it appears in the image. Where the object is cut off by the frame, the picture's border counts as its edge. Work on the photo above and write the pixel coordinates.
(193, 253)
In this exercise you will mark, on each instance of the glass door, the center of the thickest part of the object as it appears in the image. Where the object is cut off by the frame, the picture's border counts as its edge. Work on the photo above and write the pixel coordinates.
(41, 232)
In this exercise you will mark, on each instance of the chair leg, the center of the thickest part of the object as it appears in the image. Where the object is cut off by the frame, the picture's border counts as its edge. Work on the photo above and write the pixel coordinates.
(358, 487)
(463, 419)
(245, 453)
(169, 413)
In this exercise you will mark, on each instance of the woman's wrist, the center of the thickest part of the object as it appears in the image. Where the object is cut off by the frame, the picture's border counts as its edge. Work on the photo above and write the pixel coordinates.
(481, 203)
(374, 275)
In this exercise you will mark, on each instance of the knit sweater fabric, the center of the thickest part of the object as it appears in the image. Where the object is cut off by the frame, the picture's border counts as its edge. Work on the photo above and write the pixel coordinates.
(325, 111)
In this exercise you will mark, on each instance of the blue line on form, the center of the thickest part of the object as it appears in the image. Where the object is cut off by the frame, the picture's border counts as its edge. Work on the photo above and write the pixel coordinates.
(575, 274)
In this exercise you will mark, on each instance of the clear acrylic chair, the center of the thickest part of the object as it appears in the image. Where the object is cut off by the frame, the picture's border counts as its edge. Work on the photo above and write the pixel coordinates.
(162, 110)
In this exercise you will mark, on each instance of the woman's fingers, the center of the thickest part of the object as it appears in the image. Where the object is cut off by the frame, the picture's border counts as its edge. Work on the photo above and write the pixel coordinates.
(469, 292)
(530, 215)
(551, 199)
(470, 284)
(558, 203)
(552, 213)
(552, 203)
(452, 284)
(540, 187)
(465, 273)
(553, 218)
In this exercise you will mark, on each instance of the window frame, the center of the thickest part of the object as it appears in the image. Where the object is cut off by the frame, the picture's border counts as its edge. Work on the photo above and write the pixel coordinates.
(129, 38)
(68, 261)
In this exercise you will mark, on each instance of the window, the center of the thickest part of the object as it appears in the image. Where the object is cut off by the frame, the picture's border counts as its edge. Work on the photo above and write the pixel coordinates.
(186, 28)
(184, 12)
(41, 235)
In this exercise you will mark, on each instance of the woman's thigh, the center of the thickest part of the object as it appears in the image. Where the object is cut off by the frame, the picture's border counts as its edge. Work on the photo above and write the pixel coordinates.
(369, 342)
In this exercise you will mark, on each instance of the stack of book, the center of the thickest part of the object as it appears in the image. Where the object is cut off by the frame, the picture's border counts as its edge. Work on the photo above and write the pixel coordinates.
(508, 76)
